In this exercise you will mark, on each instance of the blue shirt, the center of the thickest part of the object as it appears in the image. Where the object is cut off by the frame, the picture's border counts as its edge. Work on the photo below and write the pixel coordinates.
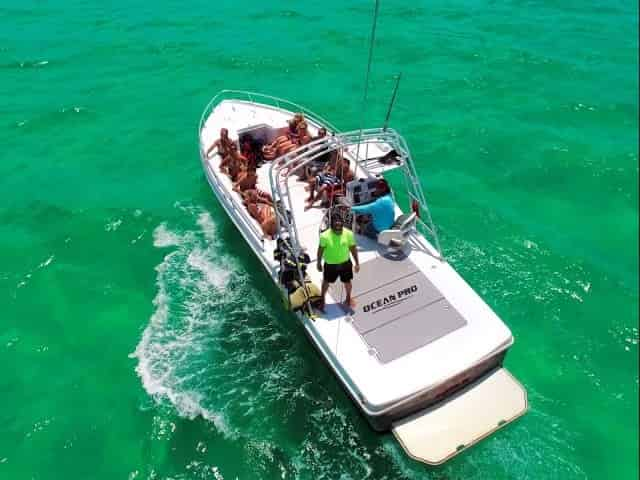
(381, 211)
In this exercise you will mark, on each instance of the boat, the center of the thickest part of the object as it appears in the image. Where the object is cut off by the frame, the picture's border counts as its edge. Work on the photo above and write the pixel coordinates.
(421, 354)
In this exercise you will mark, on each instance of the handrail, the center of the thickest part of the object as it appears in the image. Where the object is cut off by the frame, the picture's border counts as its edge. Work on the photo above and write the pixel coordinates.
(254, 98)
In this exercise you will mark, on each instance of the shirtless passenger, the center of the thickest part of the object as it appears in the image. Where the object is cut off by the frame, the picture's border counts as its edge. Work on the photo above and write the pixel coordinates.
(344, 169)
(256, 196)
(285, 142)
(317, 164)
(222, 144)
(269, 152)
(304, 137)
(265, 215)
(246, 150)
(236, 162)
(246, 179)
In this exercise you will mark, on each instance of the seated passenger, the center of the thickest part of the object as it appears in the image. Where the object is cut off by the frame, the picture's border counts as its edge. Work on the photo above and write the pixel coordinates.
(343, 167)
(325, 182)
(246, 179)
(256, 196)
(317, 164)
(287, 141)
(246, 149)
(303, 138)
(222, 144)
(265, 215)
(235, 163)
(269, 152)
(382, 211)
(322, 132)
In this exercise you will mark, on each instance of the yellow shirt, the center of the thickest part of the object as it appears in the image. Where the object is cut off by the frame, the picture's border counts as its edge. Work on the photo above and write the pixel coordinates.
(336, 247)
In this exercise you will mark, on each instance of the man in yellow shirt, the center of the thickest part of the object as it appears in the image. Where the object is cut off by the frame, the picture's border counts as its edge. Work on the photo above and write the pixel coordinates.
(335, 245)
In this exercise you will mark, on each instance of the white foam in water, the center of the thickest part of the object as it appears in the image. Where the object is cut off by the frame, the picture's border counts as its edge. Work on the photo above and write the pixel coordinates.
(185, 279)
(205, 222)
(213, 274)
(163, 237)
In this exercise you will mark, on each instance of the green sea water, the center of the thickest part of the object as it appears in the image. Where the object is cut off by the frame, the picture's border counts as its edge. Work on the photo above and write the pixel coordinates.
(140, 339)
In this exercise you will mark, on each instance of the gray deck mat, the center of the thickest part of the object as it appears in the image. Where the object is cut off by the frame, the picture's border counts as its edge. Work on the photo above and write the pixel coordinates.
(403, 311)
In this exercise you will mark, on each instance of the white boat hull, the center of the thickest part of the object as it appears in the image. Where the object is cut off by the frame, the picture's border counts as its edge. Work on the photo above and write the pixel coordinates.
(385, 378)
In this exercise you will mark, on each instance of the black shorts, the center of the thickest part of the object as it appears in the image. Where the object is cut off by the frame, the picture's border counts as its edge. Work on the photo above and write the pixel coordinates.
(343, 270)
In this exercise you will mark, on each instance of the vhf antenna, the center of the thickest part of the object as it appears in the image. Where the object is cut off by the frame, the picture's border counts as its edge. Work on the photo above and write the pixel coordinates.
(393, 99)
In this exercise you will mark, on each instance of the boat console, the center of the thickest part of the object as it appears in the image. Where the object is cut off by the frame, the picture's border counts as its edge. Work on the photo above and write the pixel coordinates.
(361, 190)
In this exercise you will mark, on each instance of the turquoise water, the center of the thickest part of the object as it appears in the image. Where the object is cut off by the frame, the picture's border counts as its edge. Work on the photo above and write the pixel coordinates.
(140, 339)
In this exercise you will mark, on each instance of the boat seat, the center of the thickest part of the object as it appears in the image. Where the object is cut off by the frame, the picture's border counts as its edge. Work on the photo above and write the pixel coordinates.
(396, 236)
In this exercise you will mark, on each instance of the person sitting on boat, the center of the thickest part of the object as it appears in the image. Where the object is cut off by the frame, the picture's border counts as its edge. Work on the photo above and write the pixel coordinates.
(304, 137)
(235, 163)
(327, 180)
(265, 215)
(269, 152)
(381, 210)
(343, 166)
(336, 243)
(322, 132)
(316, 165)
(246, 150)
(229, 158)
(255, 195)
(285, 142)
(292, 133)
(246, 178)
(331, 180)
(222, 144)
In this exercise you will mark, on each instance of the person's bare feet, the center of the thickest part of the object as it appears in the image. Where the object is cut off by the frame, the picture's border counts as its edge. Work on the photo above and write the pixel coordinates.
(307, 206)
(350, 302)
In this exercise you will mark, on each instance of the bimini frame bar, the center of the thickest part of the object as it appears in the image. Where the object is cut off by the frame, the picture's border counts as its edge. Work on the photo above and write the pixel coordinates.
(285, 165)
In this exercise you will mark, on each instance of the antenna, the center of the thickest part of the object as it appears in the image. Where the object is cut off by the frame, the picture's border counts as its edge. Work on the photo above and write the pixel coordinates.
(393, 99)
(366, 81)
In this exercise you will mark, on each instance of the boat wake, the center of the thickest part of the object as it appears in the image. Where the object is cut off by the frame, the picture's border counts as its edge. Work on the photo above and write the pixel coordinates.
(216, 348)
(188, 308)
(213, 346)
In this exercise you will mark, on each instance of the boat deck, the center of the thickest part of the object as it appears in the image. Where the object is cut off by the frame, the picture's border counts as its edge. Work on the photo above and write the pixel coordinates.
(417, 322)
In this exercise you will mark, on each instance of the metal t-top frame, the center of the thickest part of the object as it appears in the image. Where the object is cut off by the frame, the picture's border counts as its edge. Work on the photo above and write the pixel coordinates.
(280, 169)
(285, 165)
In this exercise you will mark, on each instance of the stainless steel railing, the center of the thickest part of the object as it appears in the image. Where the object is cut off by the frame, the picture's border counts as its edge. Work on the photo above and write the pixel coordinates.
(282, 167)
(262, 99)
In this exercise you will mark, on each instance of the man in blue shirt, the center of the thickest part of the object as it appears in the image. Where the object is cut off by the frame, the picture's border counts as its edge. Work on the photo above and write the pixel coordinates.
(382, 211)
